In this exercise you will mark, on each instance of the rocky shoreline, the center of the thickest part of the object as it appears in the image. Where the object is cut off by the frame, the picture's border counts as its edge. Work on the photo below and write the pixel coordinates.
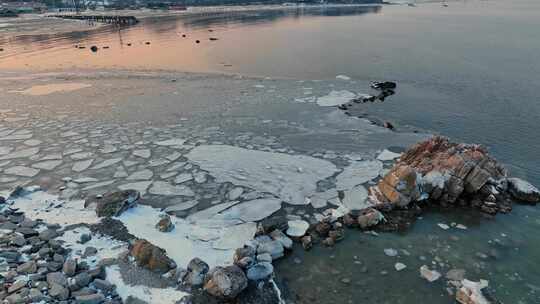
(38, 265)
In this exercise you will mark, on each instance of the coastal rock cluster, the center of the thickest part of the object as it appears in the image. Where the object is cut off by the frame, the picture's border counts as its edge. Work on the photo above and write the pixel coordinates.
(446, 173)
(36, 267)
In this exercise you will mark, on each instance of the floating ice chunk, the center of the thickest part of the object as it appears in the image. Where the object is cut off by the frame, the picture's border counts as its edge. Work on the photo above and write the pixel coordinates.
(471, 292)
(81, 155)
(120, 173)
(144, 293)
(400, 266)
(259, 86)
(99, 185)
(335, 98)
(358, 173)
(157, 162)
(343, 77)
(164, 188)
(275, 173)
(46, 89)
(82, 165)
(139, 186)
(83, 180)
(320, 199)
(176, 166)
(107, 163)
(141, 175)
(22, 171)
(235, 193)
(200, 177)
(5, 150)
(174, 156)
(108, 149)
(236, 236)
(182, 178)
(209, 213)
(391, 252)
(181, 206)
(297, 228)
(254, 210)
(16, 137)
(33, 142)
(47, 165)
(69, 134)
(443, 226)
(144, 153)
(23, 153)
(171, 142)
(388, 155)
(53, 156)
(356, 198)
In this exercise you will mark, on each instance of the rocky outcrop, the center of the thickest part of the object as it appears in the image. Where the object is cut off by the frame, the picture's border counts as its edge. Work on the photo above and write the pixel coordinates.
(151, 257)
(113, 203)
(226, 282)
(447, 173)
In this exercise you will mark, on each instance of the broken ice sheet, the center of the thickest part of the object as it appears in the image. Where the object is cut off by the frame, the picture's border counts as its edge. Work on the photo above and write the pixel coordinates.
(357, 173)
(290, 177)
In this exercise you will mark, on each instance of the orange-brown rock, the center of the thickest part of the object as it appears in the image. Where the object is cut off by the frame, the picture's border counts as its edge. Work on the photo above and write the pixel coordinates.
(151, 257)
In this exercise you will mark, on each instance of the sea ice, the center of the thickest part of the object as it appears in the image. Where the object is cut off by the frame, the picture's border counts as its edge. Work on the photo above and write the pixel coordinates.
(164, 188)
(254, 210)
(291, 177)
(141, 175)
(22, 171)
(357, 173)
(335, 98)
(47, 165)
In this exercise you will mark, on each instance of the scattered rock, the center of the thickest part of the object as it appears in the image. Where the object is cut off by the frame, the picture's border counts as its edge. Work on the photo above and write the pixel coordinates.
(226, 282)
(151, 257)
(196, 271)
(260, 271)
(471, 292)
(523, 191)
(113, 203)
(165, 224)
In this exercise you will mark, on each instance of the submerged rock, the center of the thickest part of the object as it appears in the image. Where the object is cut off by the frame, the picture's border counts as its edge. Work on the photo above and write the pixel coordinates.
(430, 275)
(226, 282)
(165, 224)
(471, 292)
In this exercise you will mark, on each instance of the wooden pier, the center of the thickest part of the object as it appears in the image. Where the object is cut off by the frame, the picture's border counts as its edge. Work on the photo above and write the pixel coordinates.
(119, 20)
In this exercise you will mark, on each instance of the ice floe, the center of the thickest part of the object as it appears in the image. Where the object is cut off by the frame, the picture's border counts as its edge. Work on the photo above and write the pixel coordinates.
(290, 177)
(357, 173)
(254, 210)
(141, 175)
(164, 188)
(335, 98)
(356, 198)
(47, 165)
(82, 165)
(386, 155)
(22, 171)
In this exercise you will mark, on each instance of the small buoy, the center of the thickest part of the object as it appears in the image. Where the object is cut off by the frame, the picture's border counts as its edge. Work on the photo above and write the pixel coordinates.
(105, 47)
(94, 48)
(1, 50)
(81, 47)
(212, 39)
(210, 30)
(129, 44)
(184, 35)
(147, 42)
(197, 41)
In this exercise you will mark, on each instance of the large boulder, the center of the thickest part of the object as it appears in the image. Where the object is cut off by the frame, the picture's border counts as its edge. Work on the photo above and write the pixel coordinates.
(151, 257)
(226, 282)
(471, 292)
(196, 272)
(113, 203)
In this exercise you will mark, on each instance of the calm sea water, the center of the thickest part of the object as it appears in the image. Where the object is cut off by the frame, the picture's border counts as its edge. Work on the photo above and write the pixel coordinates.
(468, 71)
